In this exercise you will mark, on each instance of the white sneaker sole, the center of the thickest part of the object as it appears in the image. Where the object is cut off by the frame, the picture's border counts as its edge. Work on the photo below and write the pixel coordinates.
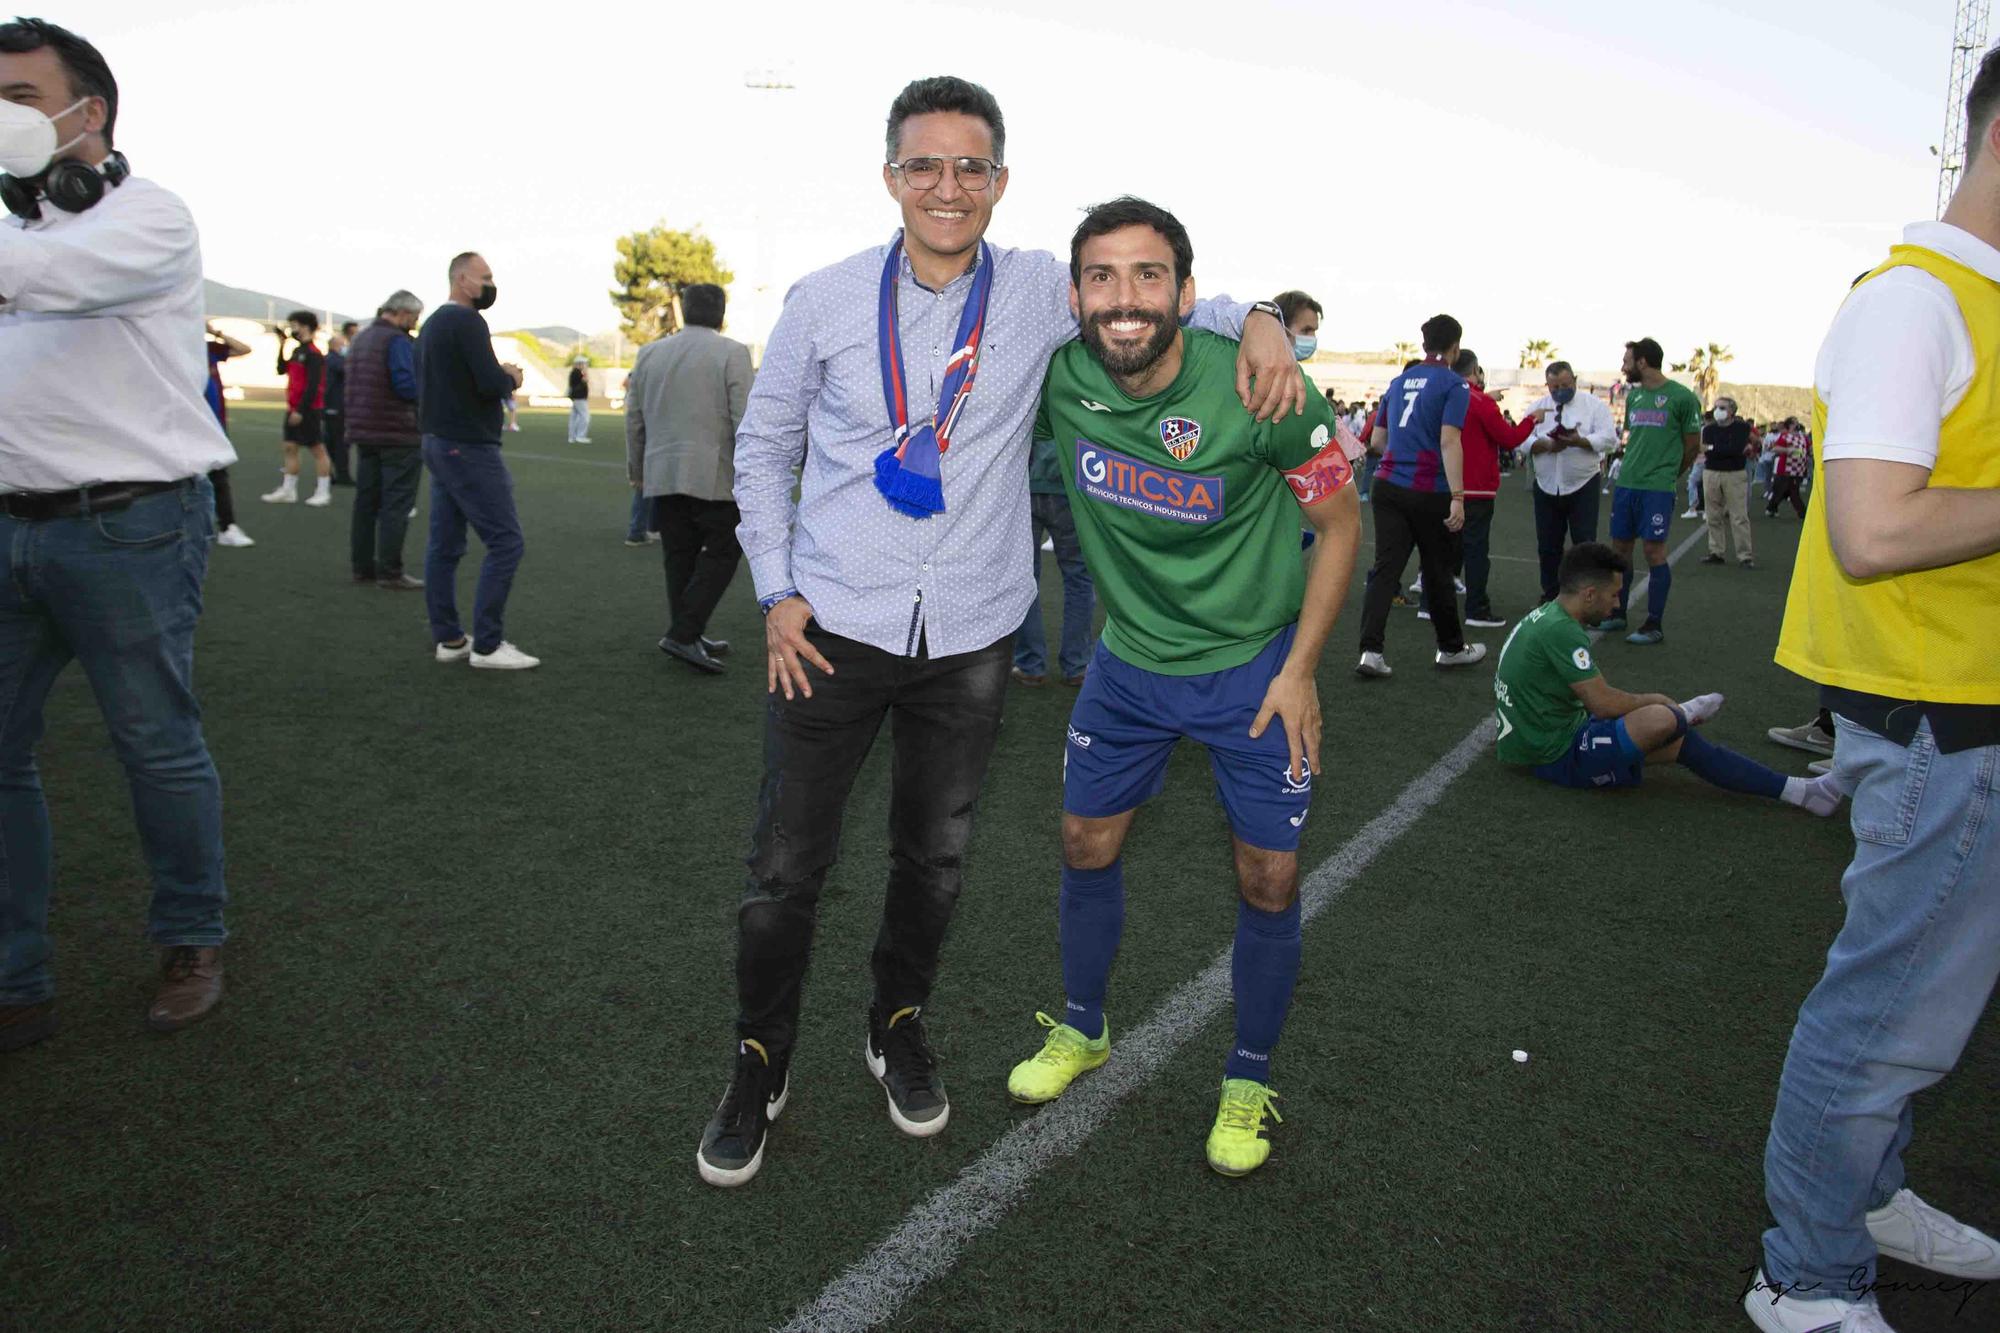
(502, 666)
(723, 1177)
(879, 1068)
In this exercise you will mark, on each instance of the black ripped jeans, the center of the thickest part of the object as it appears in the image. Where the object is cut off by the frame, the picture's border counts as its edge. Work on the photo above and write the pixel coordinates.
(943, 715)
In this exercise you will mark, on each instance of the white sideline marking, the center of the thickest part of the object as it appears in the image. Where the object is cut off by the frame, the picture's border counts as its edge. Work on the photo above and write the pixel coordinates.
(927, 1242)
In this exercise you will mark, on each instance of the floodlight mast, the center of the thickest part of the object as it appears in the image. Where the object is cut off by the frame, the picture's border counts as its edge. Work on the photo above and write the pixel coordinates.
(1968, 44)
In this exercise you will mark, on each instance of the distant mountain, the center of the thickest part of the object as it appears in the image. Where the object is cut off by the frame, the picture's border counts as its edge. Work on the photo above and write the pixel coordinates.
(557, 333)
(226, 302)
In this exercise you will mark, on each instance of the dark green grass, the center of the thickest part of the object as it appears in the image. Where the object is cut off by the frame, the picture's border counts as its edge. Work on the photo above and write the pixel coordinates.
(480, 995)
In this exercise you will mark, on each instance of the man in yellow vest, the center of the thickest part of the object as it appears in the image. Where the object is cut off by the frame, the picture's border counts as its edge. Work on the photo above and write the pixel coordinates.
(1893, 606)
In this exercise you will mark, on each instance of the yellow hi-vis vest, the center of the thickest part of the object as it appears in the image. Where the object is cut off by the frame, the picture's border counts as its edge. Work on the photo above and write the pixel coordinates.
(1928, 635)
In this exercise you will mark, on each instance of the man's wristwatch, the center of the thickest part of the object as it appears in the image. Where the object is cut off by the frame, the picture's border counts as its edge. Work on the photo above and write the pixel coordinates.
(1270, 308)
(764, 604)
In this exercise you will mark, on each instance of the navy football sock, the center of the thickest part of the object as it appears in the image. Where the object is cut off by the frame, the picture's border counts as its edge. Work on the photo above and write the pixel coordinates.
(1728, 769)
(1092, 910)
(1263, 969)
(1625, 592)
(1656, 592)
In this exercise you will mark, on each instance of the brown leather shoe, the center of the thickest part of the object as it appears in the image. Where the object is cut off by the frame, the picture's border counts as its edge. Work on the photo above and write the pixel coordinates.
(1074, 682)
(25, 1024)
(1025, 678)
(190, 987)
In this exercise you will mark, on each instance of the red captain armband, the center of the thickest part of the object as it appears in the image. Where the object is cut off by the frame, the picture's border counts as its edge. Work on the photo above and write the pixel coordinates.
(1321, 476)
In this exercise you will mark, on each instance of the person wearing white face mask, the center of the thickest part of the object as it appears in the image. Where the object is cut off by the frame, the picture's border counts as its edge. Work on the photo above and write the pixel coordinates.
(106, 512)
(1726, 483)
(1573, 433)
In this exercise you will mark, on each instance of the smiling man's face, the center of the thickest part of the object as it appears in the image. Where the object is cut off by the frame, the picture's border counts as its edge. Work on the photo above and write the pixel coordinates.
(946, 220)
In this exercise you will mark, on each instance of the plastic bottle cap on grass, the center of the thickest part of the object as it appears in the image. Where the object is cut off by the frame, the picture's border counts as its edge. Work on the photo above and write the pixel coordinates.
(1520, 1057)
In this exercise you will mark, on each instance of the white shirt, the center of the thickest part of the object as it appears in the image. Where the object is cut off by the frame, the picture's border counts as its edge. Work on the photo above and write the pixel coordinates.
(1898, 358)
(1571, 469)
(103, 362)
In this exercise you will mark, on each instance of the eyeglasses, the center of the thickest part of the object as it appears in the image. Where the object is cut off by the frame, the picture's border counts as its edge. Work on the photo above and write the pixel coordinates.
(923, 173)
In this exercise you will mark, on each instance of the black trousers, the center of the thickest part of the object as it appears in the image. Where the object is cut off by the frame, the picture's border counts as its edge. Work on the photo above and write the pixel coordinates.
(943, 714)
(385, 488)
(1475, 541)
(1406, 520)
(1556, 516)
(698, 546)
(1787, 488)
(225, 503)
(334, 428)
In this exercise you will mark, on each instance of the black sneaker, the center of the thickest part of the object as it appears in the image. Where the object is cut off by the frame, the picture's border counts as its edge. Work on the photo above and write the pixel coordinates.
(1711, 559)
(900, 1058)
(732, 1147)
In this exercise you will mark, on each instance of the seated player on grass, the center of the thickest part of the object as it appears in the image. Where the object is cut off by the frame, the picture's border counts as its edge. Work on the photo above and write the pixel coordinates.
(1187, 509)
(1559, 716)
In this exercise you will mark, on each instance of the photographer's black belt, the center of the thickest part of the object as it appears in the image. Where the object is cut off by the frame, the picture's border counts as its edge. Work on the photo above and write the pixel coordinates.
(107, 497)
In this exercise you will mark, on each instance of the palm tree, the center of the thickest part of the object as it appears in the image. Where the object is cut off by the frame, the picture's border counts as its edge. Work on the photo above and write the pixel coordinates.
(1704, 366)
(1404, 352)
(1538, 353)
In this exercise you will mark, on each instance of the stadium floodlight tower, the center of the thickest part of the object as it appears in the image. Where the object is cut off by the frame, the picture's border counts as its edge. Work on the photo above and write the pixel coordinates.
(1968, 44)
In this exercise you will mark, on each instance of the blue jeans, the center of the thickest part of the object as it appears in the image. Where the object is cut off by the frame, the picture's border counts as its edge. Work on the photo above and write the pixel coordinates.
(121, 593)
(469, 484)
(641, 520)
(1364, 471)
(1051, 516)
(1906, 979)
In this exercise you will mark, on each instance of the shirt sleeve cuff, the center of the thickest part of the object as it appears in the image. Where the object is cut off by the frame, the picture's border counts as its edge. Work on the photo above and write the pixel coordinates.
(771, 572)
(1887, 453)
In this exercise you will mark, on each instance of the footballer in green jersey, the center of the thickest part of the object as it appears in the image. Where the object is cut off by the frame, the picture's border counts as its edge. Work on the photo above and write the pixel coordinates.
(1662, 440)
(1556, 715)
(1188, 512)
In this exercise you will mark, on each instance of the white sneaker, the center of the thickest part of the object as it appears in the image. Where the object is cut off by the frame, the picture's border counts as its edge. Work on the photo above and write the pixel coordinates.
(1776, 1312)
(1418, 586)
(1466, 656)
(1372, 664)
(320, 500)
(1460, 585)
(233, 536)
(446, 653)
(505, 658)
(1692, 513)
(1909, 1229)
(284, 495)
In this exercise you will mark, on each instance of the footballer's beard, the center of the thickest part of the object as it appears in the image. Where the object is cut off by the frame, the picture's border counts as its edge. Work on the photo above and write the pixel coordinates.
(1129, 360)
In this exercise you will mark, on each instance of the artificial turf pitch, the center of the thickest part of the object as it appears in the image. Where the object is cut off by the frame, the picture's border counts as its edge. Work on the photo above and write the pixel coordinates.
(480, 994)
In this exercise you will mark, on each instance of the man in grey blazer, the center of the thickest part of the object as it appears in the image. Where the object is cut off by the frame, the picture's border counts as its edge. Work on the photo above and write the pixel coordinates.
(682, 404)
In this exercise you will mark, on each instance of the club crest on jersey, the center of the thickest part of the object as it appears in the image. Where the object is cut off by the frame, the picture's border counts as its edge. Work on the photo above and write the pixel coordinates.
(1181, 436)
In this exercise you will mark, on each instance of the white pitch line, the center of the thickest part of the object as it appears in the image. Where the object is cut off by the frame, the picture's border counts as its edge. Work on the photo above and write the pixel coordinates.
(927, 1242)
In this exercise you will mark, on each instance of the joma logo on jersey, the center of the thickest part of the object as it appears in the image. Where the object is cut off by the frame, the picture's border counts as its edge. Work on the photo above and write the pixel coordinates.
(1181, 436)
(1111, 478)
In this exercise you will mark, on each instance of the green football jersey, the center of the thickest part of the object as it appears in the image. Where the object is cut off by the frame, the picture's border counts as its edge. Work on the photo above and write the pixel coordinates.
(1187, 507)
(1656, 420)
(1538, 713)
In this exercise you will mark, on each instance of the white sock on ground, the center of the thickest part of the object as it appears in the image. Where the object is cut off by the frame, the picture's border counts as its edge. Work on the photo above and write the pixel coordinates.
(1701, 708)
(1820, 796)
(323, 485)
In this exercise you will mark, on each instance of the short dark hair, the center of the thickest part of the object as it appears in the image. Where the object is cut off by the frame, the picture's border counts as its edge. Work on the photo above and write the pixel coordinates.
(349, 327)
(1128, 211)
(1468, 361)
(83, 64)
(1412, 365)
(921, 97)
(305, 317)
(1555, 368)
(1290, 303)
(1587, 563)
(703, 303)
(1982, 102)
(1441, 334)
(1648, 352)
(458, 263)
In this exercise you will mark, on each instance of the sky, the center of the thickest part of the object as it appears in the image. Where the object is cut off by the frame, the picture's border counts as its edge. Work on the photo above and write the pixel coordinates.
(1586, 173)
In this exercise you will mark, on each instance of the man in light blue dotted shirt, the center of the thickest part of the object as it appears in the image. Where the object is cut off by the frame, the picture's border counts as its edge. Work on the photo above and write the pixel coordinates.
(874, 615)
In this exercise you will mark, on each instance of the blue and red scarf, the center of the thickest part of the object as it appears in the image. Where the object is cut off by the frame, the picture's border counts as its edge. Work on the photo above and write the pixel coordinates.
(908, 472)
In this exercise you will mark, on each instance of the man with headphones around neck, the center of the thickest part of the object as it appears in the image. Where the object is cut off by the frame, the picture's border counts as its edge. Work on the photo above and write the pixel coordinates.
(106, 512)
